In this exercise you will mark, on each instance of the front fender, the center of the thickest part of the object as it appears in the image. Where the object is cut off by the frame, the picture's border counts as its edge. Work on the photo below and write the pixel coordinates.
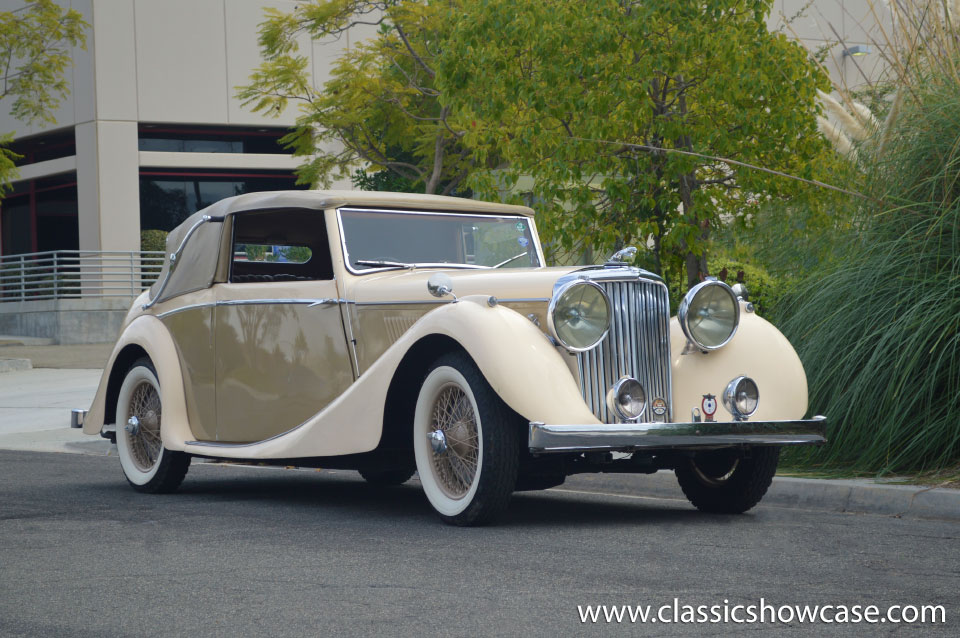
(522, 366)
(149, 334)
(759, 351)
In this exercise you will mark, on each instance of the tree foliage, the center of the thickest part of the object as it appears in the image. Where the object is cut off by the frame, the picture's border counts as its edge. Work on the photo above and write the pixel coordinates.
(380, 110)
(592, 99)
(35, 43)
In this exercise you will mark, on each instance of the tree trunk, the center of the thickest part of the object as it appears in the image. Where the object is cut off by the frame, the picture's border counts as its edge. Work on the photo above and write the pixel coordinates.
(696, 266)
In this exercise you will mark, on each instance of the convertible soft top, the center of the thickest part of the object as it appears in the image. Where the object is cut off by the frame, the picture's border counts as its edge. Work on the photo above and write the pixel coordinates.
(197, 264)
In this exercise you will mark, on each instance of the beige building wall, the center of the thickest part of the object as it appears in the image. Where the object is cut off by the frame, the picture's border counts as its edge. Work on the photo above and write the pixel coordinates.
(837, 25)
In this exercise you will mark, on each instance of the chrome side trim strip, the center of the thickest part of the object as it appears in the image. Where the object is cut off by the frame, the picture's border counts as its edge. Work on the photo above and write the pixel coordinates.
(544, 439)
(258, 302)
(254, 302)
(194, 306)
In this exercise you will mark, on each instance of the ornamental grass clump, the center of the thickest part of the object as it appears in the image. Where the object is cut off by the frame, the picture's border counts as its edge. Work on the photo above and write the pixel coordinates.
(879, 330)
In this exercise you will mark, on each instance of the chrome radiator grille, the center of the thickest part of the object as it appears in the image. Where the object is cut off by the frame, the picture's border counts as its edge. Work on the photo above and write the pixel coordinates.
(638, 345)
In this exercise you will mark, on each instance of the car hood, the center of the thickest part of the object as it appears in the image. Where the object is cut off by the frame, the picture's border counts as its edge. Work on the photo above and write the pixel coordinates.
(505, 284)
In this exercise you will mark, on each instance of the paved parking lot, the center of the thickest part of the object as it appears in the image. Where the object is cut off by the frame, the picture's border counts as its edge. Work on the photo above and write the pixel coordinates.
(249, 551)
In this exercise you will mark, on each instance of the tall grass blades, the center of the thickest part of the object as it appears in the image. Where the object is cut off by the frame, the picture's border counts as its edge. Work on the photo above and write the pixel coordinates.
(879, 331)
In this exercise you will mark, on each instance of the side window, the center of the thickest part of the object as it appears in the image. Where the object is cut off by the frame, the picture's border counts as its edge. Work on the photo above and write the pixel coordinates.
(286, 245)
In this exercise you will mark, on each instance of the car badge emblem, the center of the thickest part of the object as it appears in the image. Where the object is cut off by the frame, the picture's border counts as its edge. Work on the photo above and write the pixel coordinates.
(659, 407)
(709, 406)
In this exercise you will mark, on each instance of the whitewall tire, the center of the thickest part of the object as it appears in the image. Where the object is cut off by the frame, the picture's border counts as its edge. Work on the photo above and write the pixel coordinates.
(465, 443)
(148, 466)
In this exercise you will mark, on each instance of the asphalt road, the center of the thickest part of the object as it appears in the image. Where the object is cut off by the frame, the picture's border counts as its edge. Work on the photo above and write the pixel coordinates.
(273, 552)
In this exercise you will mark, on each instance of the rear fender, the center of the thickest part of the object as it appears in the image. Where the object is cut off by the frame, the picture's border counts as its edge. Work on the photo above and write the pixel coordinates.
(146, 333)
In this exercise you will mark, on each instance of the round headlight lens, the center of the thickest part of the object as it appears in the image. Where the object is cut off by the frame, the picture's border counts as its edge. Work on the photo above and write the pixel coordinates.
(709, 314)
(742, 397)
(579, 315)
(626, 399)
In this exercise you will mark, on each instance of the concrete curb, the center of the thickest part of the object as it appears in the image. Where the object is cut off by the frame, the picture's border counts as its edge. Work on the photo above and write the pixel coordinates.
(15, 365)
(860, 496)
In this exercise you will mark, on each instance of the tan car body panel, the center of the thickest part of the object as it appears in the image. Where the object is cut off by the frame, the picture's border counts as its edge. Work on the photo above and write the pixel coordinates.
(522, 366)
(758, 351)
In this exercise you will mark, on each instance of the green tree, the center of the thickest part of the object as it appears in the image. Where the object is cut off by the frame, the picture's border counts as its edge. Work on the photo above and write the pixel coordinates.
(380, 111)
(35, 43)
(619, 109)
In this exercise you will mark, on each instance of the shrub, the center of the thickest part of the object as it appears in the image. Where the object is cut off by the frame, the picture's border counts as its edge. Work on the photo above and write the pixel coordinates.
(153, 239)
(879, 331)
(763, 288)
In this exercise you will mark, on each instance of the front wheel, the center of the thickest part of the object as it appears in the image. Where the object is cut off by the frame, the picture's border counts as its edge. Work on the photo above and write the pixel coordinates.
(724, 482)
(148, 466)
(465, 443)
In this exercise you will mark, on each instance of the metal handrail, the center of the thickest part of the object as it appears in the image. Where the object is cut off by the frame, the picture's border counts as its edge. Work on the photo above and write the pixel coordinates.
(76, 274)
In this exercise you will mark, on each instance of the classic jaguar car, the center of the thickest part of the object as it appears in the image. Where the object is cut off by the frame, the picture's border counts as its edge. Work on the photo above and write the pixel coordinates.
(395, 333)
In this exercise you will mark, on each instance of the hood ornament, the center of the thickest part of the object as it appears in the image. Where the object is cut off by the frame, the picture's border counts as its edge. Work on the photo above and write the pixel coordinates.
(617, 257)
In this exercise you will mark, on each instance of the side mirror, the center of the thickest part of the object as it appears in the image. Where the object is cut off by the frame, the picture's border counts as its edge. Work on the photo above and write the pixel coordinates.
(440, 285)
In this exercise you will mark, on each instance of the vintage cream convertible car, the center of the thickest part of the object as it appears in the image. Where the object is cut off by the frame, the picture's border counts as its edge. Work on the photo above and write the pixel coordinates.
(392, 333)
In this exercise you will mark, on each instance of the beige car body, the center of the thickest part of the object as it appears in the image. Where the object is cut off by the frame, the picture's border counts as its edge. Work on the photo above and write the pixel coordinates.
(304, 391)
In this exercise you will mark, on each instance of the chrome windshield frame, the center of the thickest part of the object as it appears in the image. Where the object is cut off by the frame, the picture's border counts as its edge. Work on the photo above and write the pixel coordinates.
(366, 271)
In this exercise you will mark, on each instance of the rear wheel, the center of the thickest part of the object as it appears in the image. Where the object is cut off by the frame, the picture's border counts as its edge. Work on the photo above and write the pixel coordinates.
(724, 482)
(465, 443)
(148, 466)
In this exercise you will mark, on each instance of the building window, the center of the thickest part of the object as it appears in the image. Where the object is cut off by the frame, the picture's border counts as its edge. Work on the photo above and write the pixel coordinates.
(167, 198)
(40, 148)
(40, 215)
(153, 137)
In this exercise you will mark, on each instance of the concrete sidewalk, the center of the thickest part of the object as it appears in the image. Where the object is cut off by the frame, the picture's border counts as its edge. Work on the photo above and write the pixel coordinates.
(35, 416)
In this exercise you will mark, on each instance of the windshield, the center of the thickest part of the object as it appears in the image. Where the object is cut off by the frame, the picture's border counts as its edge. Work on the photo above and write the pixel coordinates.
(378, 239)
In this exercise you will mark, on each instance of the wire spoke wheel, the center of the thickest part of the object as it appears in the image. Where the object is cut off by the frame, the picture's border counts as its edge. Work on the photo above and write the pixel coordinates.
(148, 466)
(465, 443)
(144, 438)
(456, 466)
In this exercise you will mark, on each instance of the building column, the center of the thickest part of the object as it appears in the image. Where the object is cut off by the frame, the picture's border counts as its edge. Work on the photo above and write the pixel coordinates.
(108, 185)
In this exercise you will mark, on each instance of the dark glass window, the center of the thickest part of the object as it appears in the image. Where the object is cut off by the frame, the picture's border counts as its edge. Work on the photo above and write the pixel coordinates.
(211, 140)
(41, 148)
(57, 227)
(15, 225)
(166, 199)
(40, 215)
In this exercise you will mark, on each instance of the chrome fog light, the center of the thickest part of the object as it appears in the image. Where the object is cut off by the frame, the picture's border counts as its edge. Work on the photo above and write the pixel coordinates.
(741, 398)
(627, 399)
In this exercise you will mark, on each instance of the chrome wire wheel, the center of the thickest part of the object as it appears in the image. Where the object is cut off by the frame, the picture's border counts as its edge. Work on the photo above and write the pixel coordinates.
(455, 460)
(143, 426)
(448, 441)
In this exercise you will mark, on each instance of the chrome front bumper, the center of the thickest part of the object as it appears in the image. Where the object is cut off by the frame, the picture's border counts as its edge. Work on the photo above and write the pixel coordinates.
(628, 437)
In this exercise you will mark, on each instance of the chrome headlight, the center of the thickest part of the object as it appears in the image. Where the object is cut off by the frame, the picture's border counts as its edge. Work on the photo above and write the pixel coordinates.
(741, 398)
(709, 314)
(579, 315)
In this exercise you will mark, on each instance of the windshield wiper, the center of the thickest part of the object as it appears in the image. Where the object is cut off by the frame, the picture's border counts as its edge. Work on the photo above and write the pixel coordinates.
(383, 263)
(514, 258)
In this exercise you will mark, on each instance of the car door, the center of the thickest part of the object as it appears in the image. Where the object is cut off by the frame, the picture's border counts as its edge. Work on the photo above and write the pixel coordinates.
(281, 350)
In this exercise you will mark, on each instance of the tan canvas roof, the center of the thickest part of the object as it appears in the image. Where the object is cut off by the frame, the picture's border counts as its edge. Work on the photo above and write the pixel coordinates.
(197, 264)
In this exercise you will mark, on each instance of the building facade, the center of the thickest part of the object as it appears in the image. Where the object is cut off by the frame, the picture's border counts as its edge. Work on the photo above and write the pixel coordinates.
(151, 130)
